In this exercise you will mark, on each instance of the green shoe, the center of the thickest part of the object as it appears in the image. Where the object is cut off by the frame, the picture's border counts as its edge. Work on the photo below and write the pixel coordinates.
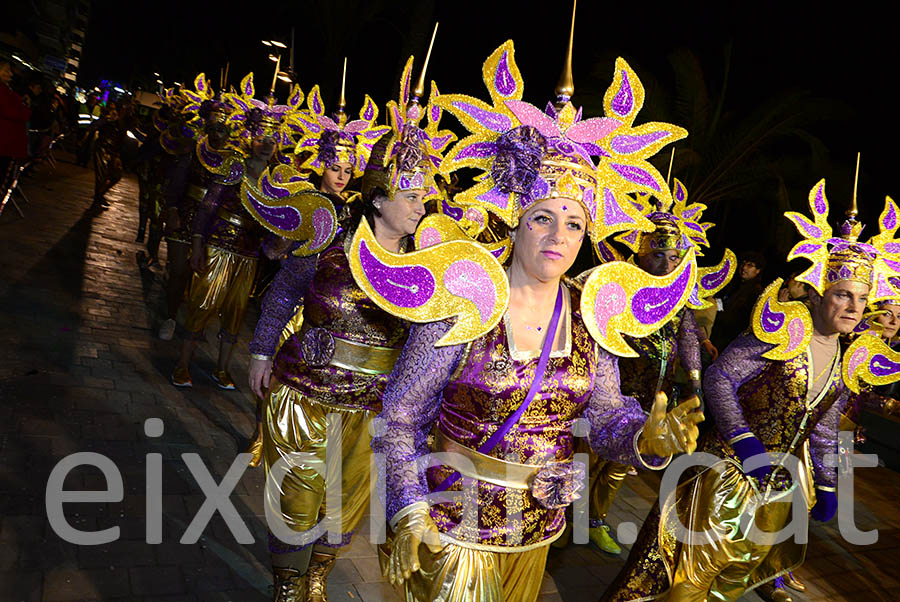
(602, 539)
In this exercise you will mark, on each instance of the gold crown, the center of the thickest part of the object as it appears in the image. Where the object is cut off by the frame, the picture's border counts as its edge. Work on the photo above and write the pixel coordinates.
(849, 263)
(665, 237)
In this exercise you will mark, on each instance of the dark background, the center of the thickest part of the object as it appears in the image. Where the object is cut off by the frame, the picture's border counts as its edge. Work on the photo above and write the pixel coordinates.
(806, 87)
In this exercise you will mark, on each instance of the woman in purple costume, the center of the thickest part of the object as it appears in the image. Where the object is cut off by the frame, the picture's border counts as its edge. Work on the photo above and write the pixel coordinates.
(501, 409)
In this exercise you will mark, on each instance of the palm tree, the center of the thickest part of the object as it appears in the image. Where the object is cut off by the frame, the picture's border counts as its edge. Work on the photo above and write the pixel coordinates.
(733, 158)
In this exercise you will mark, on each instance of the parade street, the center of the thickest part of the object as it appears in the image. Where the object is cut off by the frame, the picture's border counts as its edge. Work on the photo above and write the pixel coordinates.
(82, 370)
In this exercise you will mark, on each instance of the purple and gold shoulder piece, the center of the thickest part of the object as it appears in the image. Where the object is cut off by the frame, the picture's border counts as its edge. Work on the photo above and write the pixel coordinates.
(437, 228)
(787, 325)
(620, 298)
(227, 164)
(286, 204)
(456, 278)
(870, 359)
(710, 280)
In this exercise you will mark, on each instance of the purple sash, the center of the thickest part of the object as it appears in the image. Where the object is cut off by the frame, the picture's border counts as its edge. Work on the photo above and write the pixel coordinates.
(514, 418)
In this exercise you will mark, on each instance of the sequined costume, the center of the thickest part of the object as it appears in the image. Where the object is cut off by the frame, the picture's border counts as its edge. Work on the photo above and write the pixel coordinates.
(779, 388)
(654, 367)
(337, 363)
(463, 393)
(232, 238)
(677, 228)
(744, 393)
(153, 165)
(107, 160)
(188, 181)
(462, 387)
(640, 378)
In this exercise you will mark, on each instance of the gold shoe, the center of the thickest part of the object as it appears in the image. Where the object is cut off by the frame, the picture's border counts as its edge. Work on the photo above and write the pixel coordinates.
(290, 585)
(794, 583)
(770, 593)
(317, 574)
(223, 379)
(256, 447)
(181, 377)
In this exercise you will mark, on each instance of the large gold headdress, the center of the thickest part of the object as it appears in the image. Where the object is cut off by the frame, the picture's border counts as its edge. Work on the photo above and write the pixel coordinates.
(337, 140)
(528, 155)
(251, 117)
(876, 263)
(408, 157)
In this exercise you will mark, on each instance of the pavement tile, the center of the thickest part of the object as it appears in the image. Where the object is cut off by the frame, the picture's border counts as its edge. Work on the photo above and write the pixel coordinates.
(369, 568)
(24, 586)
(157, 580)
(85, 584)
(377, 592)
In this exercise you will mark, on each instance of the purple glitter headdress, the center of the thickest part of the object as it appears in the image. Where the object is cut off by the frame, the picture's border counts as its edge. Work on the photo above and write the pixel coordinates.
(876, 263)
(337, 140)
(528, 155)
(251, 117)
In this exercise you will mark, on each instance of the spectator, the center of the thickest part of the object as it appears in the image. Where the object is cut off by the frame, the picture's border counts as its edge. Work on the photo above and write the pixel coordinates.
(736, 302)
(41, 119)
(794, 290)
(13, 118)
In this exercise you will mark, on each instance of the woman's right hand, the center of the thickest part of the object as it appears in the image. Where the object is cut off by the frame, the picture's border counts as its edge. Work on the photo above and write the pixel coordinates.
(260, 374)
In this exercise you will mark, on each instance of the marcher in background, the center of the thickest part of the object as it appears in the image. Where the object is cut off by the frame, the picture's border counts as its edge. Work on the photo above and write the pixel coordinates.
(737, 300)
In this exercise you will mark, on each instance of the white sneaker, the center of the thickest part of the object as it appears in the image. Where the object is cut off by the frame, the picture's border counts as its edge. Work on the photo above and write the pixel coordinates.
(167, 330)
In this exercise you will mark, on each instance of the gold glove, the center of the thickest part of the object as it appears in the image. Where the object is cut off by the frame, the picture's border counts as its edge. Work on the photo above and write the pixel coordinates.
(413, 529)
(667, 433)
(891, 407)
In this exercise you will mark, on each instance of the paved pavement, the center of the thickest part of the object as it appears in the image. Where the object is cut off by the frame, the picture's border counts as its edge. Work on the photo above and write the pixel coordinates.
(81, 370)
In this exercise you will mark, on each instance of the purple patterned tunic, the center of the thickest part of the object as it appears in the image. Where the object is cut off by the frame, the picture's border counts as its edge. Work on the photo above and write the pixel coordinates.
(188, 181)
(468, 391)
(746, 392)
(224, 223)
(333, 303)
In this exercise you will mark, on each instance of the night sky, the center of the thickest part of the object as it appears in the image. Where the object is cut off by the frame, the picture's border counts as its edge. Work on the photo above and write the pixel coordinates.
(832, 67)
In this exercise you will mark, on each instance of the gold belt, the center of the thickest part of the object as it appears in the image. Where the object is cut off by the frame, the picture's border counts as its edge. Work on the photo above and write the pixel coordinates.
(232, 218)
(487, 468)
(321, 348)
(368, 359)
(195, 193)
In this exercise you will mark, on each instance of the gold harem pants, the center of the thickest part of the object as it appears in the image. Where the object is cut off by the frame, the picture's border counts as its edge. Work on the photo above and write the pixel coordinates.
(292, 422)
(605, 480)
(720, 566)
(461, 574)
(222, 290)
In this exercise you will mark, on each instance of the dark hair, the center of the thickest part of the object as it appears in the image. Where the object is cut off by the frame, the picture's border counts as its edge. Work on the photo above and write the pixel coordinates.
(365, 207)
(755, 257)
